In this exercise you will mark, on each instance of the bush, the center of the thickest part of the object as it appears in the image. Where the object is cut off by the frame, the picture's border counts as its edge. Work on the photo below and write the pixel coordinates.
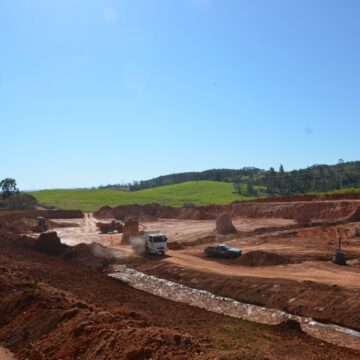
(19, 201)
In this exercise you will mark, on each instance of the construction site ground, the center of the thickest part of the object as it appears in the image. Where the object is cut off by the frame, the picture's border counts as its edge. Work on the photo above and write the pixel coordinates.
(56, 307)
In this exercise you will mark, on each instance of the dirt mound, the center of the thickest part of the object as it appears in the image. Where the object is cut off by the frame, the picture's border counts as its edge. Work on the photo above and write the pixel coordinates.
(313, 210)
(48, 243)
(224, 225)
(105, 212)
(300, 197)
(60, 214)
(131, 227)
(193, 213)
(46, 323)
(262, 258)
(153, 211)
(52, 309)
(94, 256)
(124, 211)
(17, 222)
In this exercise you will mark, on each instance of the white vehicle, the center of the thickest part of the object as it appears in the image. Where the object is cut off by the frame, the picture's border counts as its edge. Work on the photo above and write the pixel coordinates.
(151, 242)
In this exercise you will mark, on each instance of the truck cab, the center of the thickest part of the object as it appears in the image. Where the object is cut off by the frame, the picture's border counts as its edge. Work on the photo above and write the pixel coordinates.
(156, 243)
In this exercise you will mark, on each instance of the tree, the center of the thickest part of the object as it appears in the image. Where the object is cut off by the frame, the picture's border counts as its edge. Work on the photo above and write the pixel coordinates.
(250, 187)
(8, 187)
(281, 180)
(341, 172)
(237, 187)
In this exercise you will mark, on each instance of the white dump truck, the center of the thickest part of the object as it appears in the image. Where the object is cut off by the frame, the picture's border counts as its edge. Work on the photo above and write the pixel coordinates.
(150, 242)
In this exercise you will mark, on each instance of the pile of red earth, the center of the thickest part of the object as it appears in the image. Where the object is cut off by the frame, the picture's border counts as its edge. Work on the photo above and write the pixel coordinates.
(349, 196)
(131, 228)
(40, 322)
(224, 225)
(309, 210)
(15, 221)
(262, 258)
(94, 256)
(153, 211)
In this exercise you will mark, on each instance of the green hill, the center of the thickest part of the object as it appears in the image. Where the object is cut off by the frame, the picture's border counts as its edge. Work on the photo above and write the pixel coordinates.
(316, 178)
(194, 192)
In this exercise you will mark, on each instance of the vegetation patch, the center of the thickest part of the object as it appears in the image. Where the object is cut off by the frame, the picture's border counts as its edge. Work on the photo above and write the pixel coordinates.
(193, 192)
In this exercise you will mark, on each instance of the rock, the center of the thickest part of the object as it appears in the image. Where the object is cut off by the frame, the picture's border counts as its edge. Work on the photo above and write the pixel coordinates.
(224, 225)
(48, 243)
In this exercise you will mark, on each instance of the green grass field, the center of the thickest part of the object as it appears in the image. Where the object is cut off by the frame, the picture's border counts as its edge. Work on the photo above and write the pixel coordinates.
(194, 192)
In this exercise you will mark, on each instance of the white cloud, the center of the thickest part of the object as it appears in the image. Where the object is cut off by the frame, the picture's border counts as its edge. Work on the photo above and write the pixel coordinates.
(110, 14)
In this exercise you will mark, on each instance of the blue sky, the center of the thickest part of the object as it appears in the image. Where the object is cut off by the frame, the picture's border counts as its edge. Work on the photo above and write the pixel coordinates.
(97, 92)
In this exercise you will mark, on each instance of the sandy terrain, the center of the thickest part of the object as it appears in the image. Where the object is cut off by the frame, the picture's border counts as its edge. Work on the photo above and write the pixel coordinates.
(302, 242)
(6, 354)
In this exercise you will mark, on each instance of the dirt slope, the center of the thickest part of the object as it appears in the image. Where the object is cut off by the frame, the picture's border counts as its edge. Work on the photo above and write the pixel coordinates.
(326, 303)
(53, 309)
(315, 209)
(152, 211)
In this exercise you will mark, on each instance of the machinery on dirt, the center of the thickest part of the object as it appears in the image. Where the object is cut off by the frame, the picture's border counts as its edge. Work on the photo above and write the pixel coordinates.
(149, 243)
(106, 227)
(338, 257)
(222, 251)
(42, 225)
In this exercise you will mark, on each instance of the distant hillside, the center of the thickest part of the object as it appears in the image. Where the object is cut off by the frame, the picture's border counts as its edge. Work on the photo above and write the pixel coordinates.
(189, 193)
(316, 178)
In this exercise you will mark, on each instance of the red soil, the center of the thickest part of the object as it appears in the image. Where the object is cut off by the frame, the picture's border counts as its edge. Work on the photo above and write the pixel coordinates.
(53, 309)
(312, 208)
(153, 211)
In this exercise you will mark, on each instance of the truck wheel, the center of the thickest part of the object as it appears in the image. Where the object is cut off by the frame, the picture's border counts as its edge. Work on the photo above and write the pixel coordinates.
(104, 231)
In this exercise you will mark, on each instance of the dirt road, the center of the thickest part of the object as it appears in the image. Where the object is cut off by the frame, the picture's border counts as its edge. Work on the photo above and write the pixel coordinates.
(308, 241)
(325, 273)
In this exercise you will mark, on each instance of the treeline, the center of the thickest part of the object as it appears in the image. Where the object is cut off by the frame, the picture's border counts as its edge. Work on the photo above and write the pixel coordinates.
(317, 178)
(250, 180)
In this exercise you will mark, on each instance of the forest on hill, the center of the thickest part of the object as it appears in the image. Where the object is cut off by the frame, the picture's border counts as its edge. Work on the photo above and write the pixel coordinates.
(316, 178)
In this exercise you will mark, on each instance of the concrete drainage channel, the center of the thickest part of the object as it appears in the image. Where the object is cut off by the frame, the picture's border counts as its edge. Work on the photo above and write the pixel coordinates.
(170, 290)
